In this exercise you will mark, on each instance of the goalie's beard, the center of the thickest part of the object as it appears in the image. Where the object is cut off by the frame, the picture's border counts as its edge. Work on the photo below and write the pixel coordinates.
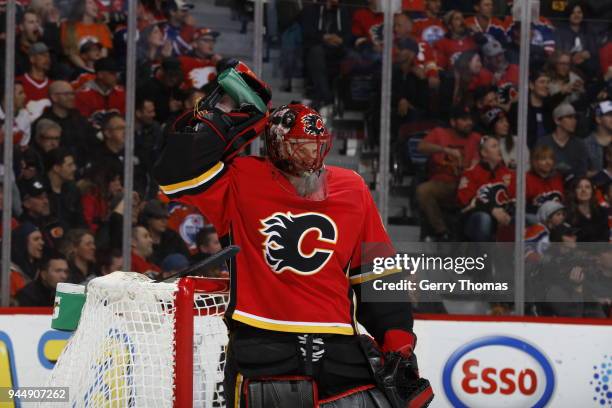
(308, 185)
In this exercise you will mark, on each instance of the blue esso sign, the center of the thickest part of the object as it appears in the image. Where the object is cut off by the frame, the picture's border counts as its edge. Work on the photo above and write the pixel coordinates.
(498, 371)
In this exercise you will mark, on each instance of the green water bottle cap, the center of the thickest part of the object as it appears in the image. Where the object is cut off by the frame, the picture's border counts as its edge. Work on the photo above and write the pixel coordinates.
(239, 90)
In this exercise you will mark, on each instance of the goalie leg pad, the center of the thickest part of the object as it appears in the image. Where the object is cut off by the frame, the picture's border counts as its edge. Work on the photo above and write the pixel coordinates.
(361, 397)
(279, 392)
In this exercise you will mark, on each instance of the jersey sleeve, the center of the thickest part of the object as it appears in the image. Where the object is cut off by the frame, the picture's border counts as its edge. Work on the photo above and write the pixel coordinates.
(376, 317)
(374, 242)
(190, 170)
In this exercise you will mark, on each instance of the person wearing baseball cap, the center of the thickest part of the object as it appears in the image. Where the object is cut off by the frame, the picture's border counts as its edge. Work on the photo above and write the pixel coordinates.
(36, 80)
(495, 61)
(37, 210)
(90, 51)
(166, 241)
(571, 157)
(34, 199)
(451, 150)
(199, 66)
(203, 43)
(601, 137)
(177, 29)
(102, 94)
(164, 87)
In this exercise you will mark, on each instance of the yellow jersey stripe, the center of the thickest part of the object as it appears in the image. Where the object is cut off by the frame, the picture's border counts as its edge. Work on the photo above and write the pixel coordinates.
(292, 327)
(368, 276)
(194, 182)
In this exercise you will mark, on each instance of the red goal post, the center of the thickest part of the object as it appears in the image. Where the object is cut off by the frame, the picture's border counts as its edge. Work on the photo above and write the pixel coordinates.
(186, 311)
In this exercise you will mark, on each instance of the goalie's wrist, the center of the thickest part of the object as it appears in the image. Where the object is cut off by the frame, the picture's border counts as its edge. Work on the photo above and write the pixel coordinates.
(399, 341)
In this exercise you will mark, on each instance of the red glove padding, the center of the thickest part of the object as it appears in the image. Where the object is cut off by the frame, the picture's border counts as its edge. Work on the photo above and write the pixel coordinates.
(399, 341)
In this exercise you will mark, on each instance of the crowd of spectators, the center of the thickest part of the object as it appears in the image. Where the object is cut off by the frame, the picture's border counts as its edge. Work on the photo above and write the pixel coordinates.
(455, 90)
(69, 141)
(455, 79)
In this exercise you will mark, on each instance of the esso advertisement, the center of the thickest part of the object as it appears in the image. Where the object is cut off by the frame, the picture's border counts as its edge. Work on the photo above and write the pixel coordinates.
(498, 371)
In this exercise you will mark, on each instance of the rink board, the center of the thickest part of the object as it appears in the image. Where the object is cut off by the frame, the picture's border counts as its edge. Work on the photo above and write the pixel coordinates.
(471, 361)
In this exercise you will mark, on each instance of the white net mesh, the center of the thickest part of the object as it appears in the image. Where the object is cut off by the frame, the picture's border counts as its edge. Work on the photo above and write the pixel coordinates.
(122, 354)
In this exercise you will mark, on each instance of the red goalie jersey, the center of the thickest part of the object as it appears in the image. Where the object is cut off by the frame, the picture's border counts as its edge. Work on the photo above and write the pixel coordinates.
(298, 257)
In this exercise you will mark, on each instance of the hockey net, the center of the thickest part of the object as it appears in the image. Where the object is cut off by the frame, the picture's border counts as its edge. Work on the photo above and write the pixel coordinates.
(145, 344)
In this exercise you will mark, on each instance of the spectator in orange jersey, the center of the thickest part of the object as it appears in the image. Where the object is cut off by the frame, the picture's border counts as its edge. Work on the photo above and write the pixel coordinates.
(83, 22)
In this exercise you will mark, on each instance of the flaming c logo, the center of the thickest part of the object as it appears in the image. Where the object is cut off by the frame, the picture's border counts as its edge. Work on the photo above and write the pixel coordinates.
(284, 234)
(313, 125)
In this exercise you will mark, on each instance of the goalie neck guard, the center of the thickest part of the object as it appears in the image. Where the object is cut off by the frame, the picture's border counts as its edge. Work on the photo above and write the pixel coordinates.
(297, 140)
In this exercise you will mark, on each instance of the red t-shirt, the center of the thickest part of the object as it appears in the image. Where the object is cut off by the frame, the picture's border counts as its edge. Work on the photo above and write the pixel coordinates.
(298, 257)
(443, 167)
(141, 265)
(448, 50)
(367, 23)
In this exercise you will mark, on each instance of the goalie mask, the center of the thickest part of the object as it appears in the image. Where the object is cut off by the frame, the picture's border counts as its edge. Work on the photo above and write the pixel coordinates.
(297, 140)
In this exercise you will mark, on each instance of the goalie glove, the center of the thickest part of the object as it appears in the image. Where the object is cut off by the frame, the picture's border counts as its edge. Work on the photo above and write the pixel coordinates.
(195, 145)
(396, 371)
(233, 131)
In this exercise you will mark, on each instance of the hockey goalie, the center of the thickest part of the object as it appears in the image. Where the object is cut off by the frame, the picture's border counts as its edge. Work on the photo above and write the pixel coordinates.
(308, 233)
